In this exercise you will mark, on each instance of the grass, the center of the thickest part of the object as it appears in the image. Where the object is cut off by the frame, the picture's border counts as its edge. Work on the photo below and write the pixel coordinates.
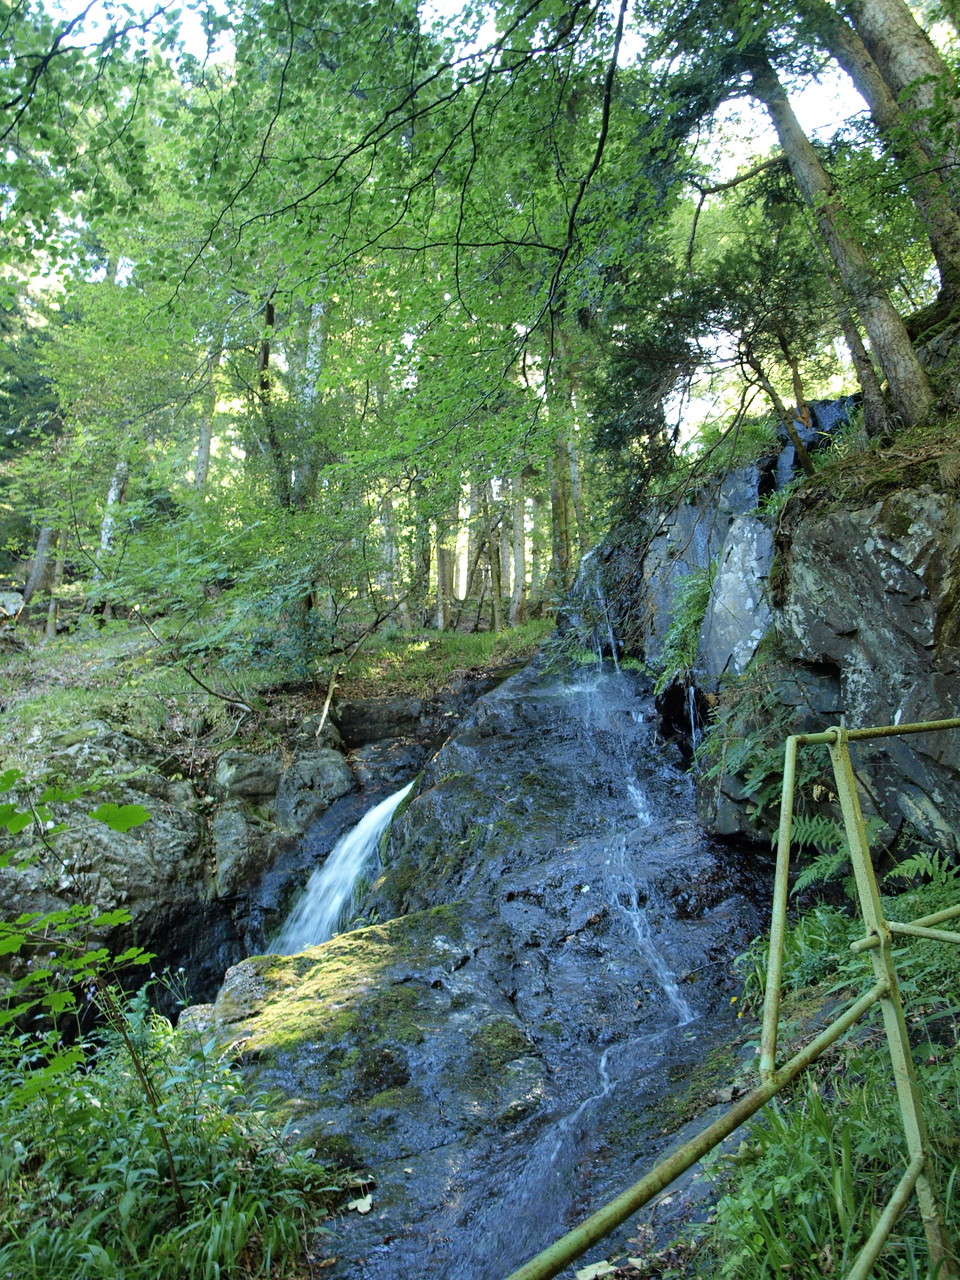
(421, 664)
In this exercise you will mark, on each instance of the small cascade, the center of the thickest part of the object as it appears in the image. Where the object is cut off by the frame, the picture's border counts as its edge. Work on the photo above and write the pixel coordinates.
(590, 598)
(317, 915)
(693, 717)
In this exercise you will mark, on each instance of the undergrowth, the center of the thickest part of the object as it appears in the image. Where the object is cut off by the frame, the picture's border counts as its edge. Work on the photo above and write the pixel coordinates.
(806, 1187)
(86, 1191)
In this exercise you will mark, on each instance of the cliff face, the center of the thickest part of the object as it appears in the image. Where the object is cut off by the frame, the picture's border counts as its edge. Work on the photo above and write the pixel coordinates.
(826, 611)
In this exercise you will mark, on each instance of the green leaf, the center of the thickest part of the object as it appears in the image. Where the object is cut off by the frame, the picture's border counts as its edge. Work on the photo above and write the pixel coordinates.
(14, 819)
(121, 817)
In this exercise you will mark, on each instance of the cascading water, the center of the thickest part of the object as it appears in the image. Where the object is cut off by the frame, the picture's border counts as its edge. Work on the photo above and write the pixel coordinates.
(593, 609)
(553, 954)
(317, 915)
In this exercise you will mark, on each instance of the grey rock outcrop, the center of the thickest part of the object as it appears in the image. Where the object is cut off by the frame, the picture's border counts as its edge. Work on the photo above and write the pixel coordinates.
(158, 871)
(309, 786)
(841, 611)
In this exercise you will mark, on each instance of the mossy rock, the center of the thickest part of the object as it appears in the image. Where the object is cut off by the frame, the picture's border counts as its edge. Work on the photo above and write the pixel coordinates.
(386, 1033)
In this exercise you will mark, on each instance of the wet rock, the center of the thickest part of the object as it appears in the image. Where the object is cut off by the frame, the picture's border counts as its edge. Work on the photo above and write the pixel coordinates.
(364, 720)
(473, 1050)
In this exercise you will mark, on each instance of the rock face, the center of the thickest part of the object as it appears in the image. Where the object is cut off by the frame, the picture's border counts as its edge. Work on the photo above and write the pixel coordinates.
(159, 871)
(845, 612)
(551, 947)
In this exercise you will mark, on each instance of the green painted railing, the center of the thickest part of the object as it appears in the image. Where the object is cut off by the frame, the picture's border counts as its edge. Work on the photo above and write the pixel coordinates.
(919, 1175)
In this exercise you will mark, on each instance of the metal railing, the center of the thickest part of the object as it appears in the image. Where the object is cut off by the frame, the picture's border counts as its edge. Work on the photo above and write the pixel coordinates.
(919, 1175)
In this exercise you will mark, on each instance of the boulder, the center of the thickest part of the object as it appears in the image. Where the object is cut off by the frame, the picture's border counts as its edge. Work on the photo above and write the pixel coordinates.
(242, 774)
(309, 786)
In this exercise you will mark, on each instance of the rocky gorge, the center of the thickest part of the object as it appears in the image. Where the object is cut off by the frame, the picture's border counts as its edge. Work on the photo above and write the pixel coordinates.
(560, 903)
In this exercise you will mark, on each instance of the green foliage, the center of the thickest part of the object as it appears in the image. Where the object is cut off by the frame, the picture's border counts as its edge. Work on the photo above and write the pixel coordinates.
(745, 739)
(810, 1179)
(929, 865)
(85, 1185)
(133, 1154)
(680, 644)
(813, 947)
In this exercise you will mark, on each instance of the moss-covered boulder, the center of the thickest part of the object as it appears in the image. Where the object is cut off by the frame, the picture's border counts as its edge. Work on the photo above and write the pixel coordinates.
(382, 1041)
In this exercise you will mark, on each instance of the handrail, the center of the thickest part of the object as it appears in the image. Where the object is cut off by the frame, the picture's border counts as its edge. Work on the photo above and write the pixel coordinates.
(879, 931)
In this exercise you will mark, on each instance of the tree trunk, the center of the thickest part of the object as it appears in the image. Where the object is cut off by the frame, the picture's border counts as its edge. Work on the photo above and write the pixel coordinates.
(910, 389)
(306, 466)
(202, 466)
(108, 525)
(559, 575)
(505, 523)
(281, 469)
(930, 192)
(53, 609)
(915, 73)
(518, 597)
(783, 413)
(392, 586)
(46, 544)
(535, 592)
(874, 414)
(578, 508)
(447, 529)
(422, 561)
(493, 559)
(474, 541)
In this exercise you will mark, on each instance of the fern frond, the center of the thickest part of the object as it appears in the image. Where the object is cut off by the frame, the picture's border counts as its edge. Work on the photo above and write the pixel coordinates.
(821, 869)
(928, 865)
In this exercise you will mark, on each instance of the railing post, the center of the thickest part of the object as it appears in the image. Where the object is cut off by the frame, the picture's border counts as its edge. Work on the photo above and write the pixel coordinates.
(778, 917)
(942, 1259)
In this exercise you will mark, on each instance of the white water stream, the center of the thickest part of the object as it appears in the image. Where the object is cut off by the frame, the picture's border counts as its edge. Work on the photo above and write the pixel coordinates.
(317, 915)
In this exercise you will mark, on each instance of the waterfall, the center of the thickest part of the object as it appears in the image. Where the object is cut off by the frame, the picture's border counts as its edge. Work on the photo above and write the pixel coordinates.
(590, 608)
(317, 915)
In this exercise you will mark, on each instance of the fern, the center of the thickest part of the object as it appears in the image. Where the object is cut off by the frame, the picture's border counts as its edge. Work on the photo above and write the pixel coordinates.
(822, 869)
(682, 640)
(816, 831)
(928, 865)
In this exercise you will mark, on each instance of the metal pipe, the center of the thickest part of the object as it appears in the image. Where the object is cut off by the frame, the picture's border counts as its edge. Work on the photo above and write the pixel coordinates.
(887, 1220)
(898, 1043)
(778, 916)
(908, 930)
(830, 736)
(938, 917)
(552, 1260)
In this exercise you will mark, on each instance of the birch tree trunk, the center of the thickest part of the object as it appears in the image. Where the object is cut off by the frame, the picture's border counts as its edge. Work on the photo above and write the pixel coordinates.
(493, 559)
(108, 525)
(518, 597)
(447, 529)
